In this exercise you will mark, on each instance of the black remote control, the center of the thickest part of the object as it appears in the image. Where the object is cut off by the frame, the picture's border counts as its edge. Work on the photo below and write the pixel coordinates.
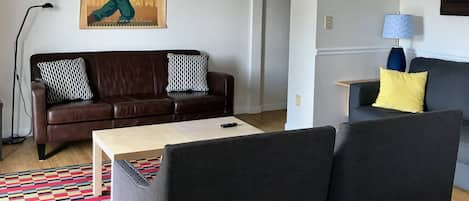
(229, 125)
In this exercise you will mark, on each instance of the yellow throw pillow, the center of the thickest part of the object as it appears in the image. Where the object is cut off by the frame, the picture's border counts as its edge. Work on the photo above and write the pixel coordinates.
(402, 91)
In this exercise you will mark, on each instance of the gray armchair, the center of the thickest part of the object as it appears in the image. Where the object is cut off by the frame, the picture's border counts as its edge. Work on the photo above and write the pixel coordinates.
(446, 89)
(283, 166)
(411, 157)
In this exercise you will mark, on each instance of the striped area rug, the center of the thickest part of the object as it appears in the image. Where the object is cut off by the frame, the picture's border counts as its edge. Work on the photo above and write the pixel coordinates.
(65, 183)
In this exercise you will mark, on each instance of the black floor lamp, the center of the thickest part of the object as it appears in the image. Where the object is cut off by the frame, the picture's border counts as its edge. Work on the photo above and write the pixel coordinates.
(19, 139)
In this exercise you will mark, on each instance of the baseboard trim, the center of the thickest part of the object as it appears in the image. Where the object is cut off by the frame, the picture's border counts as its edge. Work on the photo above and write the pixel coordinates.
(25, 132)
(462, 172)
(260, 108)
(248, 110)
(351, 50)
(274, 107)
(296, 126)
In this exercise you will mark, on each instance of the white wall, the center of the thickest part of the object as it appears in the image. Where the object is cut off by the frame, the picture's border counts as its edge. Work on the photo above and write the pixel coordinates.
(330, 99)
(354, 49)
(302, 60)
(5, 70)
(357, 23)
(276, 44)
(220, 28)
(437, 36)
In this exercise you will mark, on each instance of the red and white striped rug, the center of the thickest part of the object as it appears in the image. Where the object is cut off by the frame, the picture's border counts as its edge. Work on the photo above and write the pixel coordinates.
(65, 183)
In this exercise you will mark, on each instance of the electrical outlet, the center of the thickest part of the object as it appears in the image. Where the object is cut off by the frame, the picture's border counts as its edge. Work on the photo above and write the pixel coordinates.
(298, 100)
(328, 22)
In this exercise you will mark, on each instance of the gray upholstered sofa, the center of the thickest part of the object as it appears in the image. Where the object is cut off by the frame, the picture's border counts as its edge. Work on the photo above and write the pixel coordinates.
(402, 158)
(411, 157)
(447, 88)
(270, 167)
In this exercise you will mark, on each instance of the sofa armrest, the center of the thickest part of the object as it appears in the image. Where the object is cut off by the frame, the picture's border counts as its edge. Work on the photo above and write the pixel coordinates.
(39, 102)
(223, 85)
(363, 94)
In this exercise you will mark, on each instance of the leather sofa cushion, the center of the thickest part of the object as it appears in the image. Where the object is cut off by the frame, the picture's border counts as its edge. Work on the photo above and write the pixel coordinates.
(75, 131)
(197, 102)
(140, 106)
(79, 112)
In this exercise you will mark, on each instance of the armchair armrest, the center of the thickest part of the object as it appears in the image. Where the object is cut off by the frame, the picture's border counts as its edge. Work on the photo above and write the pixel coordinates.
(38, 90)
(223, 85)
(129, 184)
(132, 174)
(363, 94)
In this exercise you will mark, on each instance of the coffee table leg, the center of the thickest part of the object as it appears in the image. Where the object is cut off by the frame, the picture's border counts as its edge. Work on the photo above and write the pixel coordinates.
(97, 170)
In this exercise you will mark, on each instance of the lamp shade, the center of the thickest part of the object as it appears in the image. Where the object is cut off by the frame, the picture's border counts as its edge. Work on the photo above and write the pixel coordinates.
(398, 26)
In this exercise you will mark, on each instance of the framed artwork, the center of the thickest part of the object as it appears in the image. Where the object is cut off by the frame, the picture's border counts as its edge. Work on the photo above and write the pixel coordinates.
(455, 7)
(123, 14)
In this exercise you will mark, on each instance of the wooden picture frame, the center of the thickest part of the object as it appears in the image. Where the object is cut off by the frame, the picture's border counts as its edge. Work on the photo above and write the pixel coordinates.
(455, 7)
(123, 14)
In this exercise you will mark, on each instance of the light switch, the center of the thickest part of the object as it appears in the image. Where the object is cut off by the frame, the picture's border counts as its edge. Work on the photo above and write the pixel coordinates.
(298, 100)
(328, 22)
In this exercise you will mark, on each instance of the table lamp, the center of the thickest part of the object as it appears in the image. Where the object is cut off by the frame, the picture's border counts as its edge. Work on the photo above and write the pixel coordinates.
(397, 26)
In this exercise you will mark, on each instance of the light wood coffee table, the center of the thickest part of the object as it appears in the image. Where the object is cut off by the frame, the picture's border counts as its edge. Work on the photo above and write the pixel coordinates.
(149, 141)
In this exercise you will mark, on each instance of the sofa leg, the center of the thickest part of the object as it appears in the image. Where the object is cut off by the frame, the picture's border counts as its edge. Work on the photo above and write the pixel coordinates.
(41, 151)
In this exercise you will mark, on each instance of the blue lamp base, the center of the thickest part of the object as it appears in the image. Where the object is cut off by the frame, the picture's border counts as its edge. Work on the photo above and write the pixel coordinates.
(397, 60)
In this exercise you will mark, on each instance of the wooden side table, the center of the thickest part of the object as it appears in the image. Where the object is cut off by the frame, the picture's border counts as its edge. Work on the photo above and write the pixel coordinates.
(350, 82)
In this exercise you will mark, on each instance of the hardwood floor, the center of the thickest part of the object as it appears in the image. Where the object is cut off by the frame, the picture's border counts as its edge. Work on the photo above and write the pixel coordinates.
(23, 157)
(267, 121)
(460, 195)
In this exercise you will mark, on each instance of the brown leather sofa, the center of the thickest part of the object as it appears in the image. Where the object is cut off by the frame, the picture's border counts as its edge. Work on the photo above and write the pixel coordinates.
(130, 90)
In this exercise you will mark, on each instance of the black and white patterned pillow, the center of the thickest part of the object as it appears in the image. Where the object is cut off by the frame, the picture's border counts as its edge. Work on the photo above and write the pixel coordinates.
(66, 80)
(188, 94)
(187, 73)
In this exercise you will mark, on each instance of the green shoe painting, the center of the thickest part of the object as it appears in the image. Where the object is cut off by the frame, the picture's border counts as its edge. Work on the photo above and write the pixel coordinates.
(109, 14)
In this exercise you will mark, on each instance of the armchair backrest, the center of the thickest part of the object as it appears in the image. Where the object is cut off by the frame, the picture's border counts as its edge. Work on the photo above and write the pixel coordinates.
(447, 84)
(282, 166)
(412, 157)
